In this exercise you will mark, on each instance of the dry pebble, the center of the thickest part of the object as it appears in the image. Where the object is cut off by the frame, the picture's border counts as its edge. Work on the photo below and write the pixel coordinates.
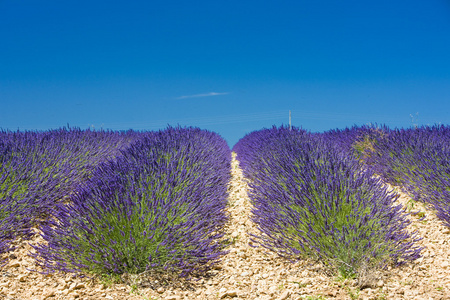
(250, 272)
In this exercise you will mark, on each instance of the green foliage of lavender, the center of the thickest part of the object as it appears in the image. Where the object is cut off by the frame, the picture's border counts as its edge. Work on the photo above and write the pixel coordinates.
(159, 206)
(311, 200)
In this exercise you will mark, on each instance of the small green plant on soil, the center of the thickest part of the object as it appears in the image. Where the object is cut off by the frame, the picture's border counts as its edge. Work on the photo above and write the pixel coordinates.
(300, 285)
(410, 206)
(134, 289)
(353, 293)
(319, 297)
(383, 296)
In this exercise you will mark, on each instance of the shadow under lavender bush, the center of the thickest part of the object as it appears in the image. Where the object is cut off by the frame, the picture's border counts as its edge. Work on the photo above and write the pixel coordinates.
(159, 206)
(311, 201)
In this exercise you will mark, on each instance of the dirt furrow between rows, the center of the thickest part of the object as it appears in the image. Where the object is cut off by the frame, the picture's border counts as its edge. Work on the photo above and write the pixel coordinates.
(429, 276)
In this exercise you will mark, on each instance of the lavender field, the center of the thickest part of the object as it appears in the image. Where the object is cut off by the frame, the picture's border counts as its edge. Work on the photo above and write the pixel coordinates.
(112, 203)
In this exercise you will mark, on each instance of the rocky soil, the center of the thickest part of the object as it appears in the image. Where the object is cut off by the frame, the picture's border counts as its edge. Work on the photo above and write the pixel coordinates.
(248, 272)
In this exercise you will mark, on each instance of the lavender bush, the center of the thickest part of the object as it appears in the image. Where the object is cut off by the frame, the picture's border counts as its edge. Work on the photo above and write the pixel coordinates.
(418, 160)
(11, 195)
(38, 169)
(25, 187)
(310, 200)
(159, 206)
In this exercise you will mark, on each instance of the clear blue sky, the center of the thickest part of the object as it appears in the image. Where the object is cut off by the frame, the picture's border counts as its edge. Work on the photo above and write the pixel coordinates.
(228, 66)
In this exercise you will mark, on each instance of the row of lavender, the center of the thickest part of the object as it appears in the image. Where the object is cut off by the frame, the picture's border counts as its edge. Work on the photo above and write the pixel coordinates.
(39, 168)
(116, 202)
(311, 199)
(416, 159)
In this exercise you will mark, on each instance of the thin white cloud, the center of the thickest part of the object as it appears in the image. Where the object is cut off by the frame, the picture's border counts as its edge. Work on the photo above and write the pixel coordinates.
(202, 95)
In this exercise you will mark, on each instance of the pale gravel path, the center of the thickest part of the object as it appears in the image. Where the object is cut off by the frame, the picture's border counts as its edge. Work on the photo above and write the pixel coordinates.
(251, 273)
(429, 277)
